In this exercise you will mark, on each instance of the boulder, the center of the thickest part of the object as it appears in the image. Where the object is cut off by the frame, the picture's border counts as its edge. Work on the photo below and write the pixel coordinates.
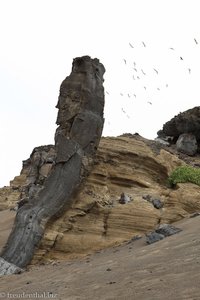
(187, 144)
(185, 122)
(161, 232)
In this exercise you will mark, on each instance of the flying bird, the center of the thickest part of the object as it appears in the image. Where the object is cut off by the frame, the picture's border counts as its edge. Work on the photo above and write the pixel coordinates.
(149, 102)
(107, 93)
(143, 72)
(138, 77)
(144, 44)
(156, 71)
(131, 45)
(125, 61)
(196, 41)
(171, 48)
(134, 95)
(135, 69)
(123, 111)
(189, 70)
(181, 58)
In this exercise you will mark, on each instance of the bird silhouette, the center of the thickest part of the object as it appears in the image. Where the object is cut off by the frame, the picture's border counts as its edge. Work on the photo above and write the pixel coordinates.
(131, 45)
(135, 69)
(138, 77)
(156, 71)
(181, 58)
(144, 44)
(134, 95)
(125, 61)
(107, 93)
(196, 41)
(189, 70)
(143, 72)
(149, 102)
(123, 111)
(171, 48)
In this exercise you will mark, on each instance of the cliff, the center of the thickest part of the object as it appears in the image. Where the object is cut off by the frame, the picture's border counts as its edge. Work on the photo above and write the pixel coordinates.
(125, 195)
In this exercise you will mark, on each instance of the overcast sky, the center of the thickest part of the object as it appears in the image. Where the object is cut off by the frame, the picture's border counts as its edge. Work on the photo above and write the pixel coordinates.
(150, 49)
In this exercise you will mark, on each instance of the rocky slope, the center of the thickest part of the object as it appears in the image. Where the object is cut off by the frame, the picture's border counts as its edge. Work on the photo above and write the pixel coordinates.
(125, 195)
(168, 269)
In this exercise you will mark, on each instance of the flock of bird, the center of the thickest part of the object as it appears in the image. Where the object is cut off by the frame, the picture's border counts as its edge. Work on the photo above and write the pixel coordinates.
(138, 73)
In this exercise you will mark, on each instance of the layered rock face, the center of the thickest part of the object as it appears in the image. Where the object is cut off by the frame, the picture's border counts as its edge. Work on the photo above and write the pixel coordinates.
(128, 167)
(185, 130)
(80, 120)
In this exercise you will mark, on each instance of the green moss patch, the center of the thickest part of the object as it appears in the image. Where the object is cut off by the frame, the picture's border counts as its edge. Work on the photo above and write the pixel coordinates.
(184, 174)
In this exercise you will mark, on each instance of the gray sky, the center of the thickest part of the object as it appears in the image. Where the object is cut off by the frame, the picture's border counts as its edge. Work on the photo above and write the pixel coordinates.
(40, 38)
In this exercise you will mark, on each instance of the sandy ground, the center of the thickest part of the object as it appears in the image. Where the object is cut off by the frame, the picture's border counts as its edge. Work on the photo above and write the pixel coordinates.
(168, 269)
(6, 222)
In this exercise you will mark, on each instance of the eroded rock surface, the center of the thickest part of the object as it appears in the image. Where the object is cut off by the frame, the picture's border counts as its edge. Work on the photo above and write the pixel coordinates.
(187, 144)
(185, 122)
(129, 165)
(162, 231)
(49, 190)
(184, 131)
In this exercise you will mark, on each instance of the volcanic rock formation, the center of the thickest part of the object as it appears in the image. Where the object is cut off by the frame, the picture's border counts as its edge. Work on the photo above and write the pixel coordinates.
(80, 120)
(128, 165)
(183, 129)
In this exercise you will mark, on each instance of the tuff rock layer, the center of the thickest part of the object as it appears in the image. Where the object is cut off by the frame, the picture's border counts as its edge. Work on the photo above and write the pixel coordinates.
(128, 167)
